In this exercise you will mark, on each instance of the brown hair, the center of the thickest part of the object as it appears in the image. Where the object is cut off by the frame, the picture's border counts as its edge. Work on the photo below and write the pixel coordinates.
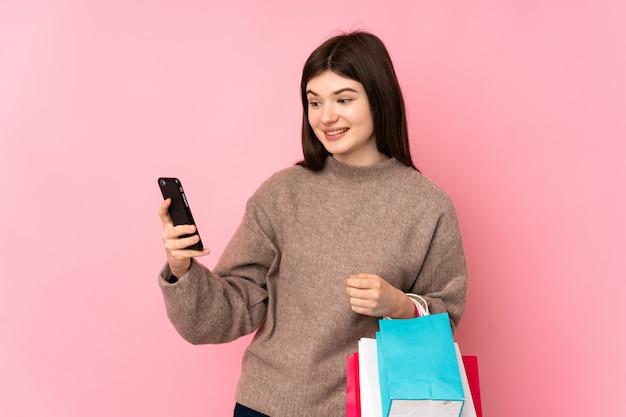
(362, 57)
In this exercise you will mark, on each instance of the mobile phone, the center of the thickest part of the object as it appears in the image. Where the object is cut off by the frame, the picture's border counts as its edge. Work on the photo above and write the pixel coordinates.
(179, 209)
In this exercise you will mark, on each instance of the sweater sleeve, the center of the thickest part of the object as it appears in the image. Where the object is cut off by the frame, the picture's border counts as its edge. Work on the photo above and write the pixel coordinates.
(442, 279)
(231, 301)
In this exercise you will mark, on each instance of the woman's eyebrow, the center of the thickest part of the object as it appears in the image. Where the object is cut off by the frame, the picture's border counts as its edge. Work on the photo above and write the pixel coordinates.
(336, 93)
(343, 90)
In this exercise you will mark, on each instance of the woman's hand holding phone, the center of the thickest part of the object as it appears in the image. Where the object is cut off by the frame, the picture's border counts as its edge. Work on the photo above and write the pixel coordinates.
(178, 257)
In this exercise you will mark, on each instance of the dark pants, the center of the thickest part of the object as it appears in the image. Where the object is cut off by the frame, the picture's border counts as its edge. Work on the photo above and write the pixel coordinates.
(241, 411)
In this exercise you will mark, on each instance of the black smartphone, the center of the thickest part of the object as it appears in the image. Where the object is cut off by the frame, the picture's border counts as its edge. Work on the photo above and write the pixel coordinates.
(179, 209)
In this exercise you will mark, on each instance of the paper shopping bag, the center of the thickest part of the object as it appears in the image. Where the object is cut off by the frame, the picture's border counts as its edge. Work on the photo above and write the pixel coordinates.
(471, 368)
(468, 406)
(418, 368)
(353, 402)
(369, 384)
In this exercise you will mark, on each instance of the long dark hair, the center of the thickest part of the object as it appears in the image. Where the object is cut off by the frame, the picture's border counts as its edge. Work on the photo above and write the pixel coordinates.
(362, 57)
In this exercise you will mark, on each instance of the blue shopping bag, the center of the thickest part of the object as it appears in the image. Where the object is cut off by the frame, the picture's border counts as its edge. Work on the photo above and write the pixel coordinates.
(418, 368)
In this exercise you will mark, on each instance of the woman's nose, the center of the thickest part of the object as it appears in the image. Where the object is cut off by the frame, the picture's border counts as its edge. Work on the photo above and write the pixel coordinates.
(329, 115)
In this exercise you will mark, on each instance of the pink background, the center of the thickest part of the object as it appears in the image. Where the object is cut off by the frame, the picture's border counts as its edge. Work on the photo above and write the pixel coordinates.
(516, 108)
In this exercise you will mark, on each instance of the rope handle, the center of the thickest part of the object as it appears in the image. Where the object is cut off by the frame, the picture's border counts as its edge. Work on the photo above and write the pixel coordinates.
(421, 308)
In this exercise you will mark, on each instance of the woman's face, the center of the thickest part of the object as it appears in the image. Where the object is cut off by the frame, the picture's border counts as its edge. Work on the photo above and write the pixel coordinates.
(339, 114)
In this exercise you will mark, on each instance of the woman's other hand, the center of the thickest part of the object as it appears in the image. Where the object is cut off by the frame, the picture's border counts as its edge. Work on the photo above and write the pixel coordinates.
(371, 295)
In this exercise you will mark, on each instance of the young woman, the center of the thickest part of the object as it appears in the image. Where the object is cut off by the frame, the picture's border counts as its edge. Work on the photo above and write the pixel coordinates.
(327, 247)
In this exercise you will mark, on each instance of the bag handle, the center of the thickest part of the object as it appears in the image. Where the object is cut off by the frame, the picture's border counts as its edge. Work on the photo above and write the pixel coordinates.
(421, 308)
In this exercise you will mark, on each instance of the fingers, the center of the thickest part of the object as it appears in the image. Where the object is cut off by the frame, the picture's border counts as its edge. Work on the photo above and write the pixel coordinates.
(364, 282)
(184, 254)
(176, 237)
(364, 292)
(178, 256)
(175, 232)
(177, 246)
(164, 210)
(370, 294)
(365, 306)
(176, 240)
(169, 230)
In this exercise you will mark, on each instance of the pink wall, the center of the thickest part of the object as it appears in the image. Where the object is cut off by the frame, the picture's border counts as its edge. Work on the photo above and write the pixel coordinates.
(516, 108)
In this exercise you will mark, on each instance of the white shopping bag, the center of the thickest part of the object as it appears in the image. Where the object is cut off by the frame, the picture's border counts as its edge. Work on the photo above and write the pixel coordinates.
(368, 379)
(469, 410)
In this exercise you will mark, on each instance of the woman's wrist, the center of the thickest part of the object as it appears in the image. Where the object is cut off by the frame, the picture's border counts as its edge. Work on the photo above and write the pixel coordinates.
(179, 272)
(407, 309)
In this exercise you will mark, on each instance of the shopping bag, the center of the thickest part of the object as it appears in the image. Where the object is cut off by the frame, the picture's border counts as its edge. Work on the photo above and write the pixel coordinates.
(418, 368)
(469, 410)
(353, 402)
(369, 384)
(471, 368)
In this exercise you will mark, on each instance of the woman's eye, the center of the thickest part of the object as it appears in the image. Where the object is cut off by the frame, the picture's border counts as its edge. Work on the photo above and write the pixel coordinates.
(345, 100)
(314, 103)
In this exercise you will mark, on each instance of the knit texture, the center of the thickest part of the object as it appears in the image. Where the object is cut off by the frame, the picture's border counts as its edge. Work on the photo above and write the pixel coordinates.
(283, 275)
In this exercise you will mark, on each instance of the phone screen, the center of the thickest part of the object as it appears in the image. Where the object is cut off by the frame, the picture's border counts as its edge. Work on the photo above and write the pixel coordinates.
(179, 209)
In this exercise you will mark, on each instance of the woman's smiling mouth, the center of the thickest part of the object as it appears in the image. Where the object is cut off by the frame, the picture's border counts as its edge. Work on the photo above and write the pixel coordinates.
(335, 132)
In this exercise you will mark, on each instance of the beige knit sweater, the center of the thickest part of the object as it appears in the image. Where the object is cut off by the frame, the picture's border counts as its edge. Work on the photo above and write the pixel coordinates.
(283, 275)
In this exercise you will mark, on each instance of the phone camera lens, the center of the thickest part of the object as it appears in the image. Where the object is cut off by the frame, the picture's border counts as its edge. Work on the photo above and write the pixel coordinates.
(162, 182)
